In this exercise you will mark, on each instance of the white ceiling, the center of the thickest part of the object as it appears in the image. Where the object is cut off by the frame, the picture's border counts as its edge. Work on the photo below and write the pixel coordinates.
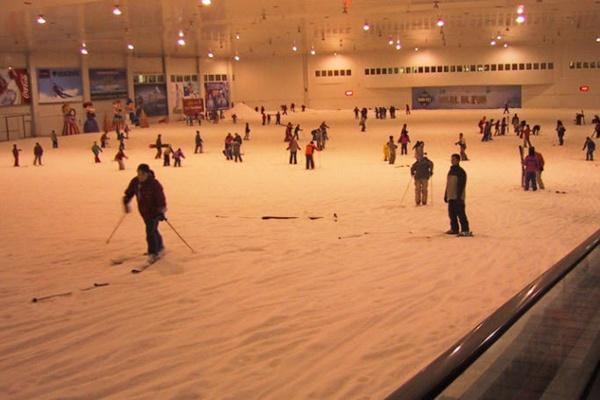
(270, 27)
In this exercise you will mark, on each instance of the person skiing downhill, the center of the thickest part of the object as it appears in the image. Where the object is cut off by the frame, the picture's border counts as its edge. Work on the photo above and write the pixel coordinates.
(152, 206)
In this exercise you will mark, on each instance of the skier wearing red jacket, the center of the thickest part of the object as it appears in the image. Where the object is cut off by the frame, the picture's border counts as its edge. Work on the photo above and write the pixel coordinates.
(151, 204)
(532, 167)
(310, 149)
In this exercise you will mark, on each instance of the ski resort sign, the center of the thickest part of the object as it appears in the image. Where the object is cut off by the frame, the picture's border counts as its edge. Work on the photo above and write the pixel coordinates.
(465, 97)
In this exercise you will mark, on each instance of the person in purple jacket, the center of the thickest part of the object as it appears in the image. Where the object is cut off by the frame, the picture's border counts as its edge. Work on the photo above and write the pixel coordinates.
(532, 167)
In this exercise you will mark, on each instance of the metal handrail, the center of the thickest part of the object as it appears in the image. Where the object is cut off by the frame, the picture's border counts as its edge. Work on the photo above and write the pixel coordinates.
(439, 374)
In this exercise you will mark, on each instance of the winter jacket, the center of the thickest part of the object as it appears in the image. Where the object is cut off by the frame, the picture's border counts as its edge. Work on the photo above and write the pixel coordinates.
(531, 164)
(96, 149)
(38, 151)
(456, 183)
(310, 149)
(422, 169)
(591, 146)
(150, 196)
(404, 139)
(293, 146)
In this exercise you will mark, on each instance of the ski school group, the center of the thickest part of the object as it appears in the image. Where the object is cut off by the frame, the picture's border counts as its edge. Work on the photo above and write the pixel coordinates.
(151, 199)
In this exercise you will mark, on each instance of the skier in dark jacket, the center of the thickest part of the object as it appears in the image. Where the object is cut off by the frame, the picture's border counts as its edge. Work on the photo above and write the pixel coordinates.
(38, 152)
(151, 204)
(455, 197)
(15, 152)
(591, 146)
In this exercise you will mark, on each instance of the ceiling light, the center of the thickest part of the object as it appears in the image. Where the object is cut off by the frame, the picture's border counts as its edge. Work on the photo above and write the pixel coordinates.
(493, 43)
(520, 9)
(206, 2)
(312, 52)
(237, 36)
(440, 22)
(180, 33)
(236, 58)
(499, 37)
(520, 19)
(416, 49)
(506, 45)
(598, 39)
(41, 20)
(116, 10)
(210, 54)
(294, 48)
(84, 51)
(398, 47)
(366, 27)
(130, 47)
(181, 42)
(391, 42)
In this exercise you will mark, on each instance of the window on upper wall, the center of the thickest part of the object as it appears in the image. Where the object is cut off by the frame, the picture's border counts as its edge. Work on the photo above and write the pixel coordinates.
(408, 70)
(336, 73)
(500, 67)
(446, 68)
(330, 73)
(433, 68)
(593, 64)
(536, 65)
(542, 65)
(493, 67)
(396, 70)
(384, 71)
(342, 72)
(507, 67)
(453, 68)
(473, 68)
(586, 64)
(194, 78)
(378, 71)
(486, 67)
(578, 64)
(390, 71)
(372, 71)
(317, 73)
(426, 70)
(571, 65)
(420, 70)
(521, 66)
(528, 66)
(550, 65)
(366, 71)
(348, 72)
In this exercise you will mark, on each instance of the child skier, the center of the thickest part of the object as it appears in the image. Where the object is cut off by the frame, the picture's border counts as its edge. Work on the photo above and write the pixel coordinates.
(96, 150)
(404, 140)
(54, 139)
(177, 156)
(532, 166)
(463, 146)
(392, 148)
(119, 158)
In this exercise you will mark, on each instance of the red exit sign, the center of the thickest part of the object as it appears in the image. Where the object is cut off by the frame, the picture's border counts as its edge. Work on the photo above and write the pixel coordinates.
(584, 88)
(349, 93)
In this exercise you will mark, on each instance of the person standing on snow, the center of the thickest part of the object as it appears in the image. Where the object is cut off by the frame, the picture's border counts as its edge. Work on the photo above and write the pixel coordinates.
(590, 146)
(96, 150)
(15, 152)
(532, 167)
(421, 171)
(454, 195)
(152, 206)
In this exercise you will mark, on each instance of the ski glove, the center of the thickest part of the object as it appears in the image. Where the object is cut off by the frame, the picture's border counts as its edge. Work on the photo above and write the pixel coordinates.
(161, 217)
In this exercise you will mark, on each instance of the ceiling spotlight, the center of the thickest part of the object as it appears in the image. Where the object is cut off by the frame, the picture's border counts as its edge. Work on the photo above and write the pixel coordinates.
(499, 37)
(366, 27)
(130, 47)
(294, 48)
(598, 39)
(41, 20)
(506, 45)
(398, 47)
(116, 10)
(236, 58)
(84, 51)
(440, 22)
(493, 43)
(210, 54)
(391, 42)
(520, 9)
(237, 36)
(181, 42)
(520, 19)
(206, 2)
(416, 49)
(312, 52)
(180, 33)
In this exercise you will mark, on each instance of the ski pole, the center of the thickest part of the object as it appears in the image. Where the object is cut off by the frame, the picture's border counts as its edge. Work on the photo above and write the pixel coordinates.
(406, 190)
(431, 178)
(116, 227)
(177, 233)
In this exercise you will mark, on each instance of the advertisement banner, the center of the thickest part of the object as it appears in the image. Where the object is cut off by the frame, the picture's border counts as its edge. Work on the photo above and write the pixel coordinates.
(217, 96)
(465, 97)
(14, 87)
(108, 84)
(59, 85)
(181, 90)
(193, 107)
(152, 98)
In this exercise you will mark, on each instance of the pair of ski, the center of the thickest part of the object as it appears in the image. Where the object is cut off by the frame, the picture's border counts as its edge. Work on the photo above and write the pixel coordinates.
(138, 269)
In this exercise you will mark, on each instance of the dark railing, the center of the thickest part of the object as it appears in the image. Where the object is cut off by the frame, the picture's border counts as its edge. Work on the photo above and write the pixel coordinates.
(16, 126)
(444, 370)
